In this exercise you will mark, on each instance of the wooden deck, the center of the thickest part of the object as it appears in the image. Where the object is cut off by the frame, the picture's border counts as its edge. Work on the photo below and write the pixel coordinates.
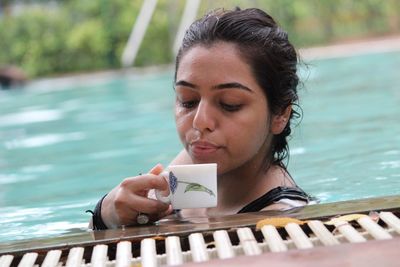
(372, 253)
(326, 256)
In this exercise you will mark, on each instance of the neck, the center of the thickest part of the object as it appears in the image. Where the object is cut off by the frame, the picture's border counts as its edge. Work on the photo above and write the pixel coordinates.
(240, 186)
(237, 186)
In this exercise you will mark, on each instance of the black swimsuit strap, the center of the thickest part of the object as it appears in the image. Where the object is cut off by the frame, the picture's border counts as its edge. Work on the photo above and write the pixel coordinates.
(274, 195)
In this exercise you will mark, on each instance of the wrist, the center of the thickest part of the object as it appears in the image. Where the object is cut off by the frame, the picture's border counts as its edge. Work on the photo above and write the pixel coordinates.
(108, 214)
(97, 220)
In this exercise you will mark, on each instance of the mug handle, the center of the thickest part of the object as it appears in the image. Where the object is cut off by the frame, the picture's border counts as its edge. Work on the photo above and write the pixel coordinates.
(158, 193)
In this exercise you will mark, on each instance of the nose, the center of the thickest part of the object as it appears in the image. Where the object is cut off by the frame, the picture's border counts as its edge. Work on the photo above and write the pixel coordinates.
(204, 118)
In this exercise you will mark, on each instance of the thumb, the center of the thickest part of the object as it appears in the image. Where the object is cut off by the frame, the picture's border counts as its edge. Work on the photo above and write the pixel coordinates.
(156, 170)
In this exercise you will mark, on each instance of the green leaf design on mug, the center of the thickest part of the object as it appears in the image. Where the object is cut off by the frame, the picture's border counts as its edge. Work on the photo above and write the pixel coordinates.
(198, 187)
(173, 183)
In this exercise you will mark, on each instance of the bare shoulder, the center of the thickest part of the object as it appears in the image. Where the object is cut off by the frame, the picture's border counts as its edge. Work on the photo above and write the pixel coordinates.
(182, 158)
(282, 176)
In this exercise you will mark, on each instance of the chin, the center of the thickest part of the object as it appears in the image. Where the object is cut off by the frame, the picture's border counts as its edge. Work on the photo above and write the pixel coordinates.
(203, 161)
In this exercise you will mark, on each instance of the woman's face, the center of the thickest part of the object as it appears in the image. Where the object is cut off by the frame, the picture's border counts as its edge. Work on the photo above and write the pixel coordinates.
(221, 112)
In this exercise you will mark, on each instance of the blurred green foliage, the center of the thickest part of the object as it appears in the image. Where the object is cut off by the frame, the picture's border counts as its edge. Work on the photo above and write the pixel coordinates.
(54, 37)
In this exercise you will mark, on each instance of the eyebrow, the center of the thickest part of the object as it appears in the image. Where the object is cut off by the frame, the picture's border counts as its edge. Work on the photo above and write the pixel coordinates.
(186, 84)
(232, 85)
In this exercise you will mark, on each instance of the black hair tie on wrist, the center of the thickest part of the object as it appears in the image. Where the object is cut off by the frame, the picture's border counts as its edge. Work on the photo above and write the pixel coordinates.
(97, 221)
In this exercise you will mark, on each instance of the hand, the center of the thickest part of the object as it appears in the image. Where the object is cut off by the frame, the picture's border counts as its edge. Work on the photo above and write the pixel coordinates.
(122, 205)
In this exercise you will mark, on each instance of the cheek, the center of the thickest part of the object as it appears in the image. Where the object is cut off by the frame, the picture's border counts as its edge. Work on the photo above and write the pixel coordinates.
(183, 122)
(249, 135)
(245, 141)
(258, 140)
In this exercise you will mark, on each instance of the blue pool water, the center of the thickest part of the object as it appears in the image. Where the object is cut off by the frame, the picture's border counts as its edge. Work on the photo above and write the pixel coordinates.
(66, 142)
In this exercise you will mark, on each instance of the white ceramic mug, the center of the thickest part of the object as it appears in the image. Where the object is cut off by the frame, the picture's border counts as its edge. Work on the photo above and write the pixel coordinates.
(191, 186)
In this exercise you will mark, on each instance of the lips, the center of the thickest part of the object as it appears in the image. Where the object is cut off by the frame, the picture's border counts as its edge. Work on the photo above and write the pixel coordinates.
(203, 149)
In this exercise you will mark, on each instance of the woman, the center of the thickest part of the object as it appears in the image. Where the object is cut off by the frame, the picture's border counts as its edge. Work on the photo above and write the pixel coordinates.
(235, 84)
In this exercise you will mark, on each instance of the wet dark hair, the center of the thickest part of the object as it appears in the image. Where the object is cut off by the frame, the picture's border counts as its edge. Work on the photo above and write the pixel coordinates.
(266, 48)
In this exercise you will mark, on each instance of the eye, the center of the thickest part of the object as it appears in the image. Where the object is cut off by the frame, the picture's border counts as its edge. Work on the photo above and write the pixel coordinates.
(230, 107)
(188, 104)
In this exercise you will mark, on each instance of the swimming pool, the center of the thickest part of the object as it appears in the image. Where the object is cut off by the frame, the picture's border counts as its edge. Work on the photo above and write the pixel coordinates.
(66, 142)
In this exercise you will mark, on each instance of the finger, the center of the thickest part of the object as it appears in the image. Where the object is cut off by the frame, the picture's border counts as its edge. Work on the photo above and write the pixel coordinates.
(145, 182)
(157, 169)
(153, 208)
(159, 216)
(127, 215)
(150, 206)
(167, 212)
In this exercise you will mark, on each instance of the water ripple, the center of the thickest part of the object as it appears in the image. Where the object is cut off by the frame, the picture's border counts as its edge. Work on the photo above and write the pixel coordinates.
(390, 164)
(42, 230)
(31, 116)
(36, 168)
(18, 214)
(297, 151)
(12, 178)
(392, 152)
(43, 140)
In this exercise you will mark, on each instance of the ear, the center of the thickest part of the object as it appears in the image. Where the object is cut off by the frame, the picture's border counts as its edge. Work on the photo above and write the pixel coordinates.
(279, 121)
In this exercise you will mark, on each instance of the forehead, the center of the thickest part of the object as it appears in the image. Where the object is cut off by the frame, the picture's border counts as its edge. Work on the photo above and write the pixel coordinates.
(216, 64)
